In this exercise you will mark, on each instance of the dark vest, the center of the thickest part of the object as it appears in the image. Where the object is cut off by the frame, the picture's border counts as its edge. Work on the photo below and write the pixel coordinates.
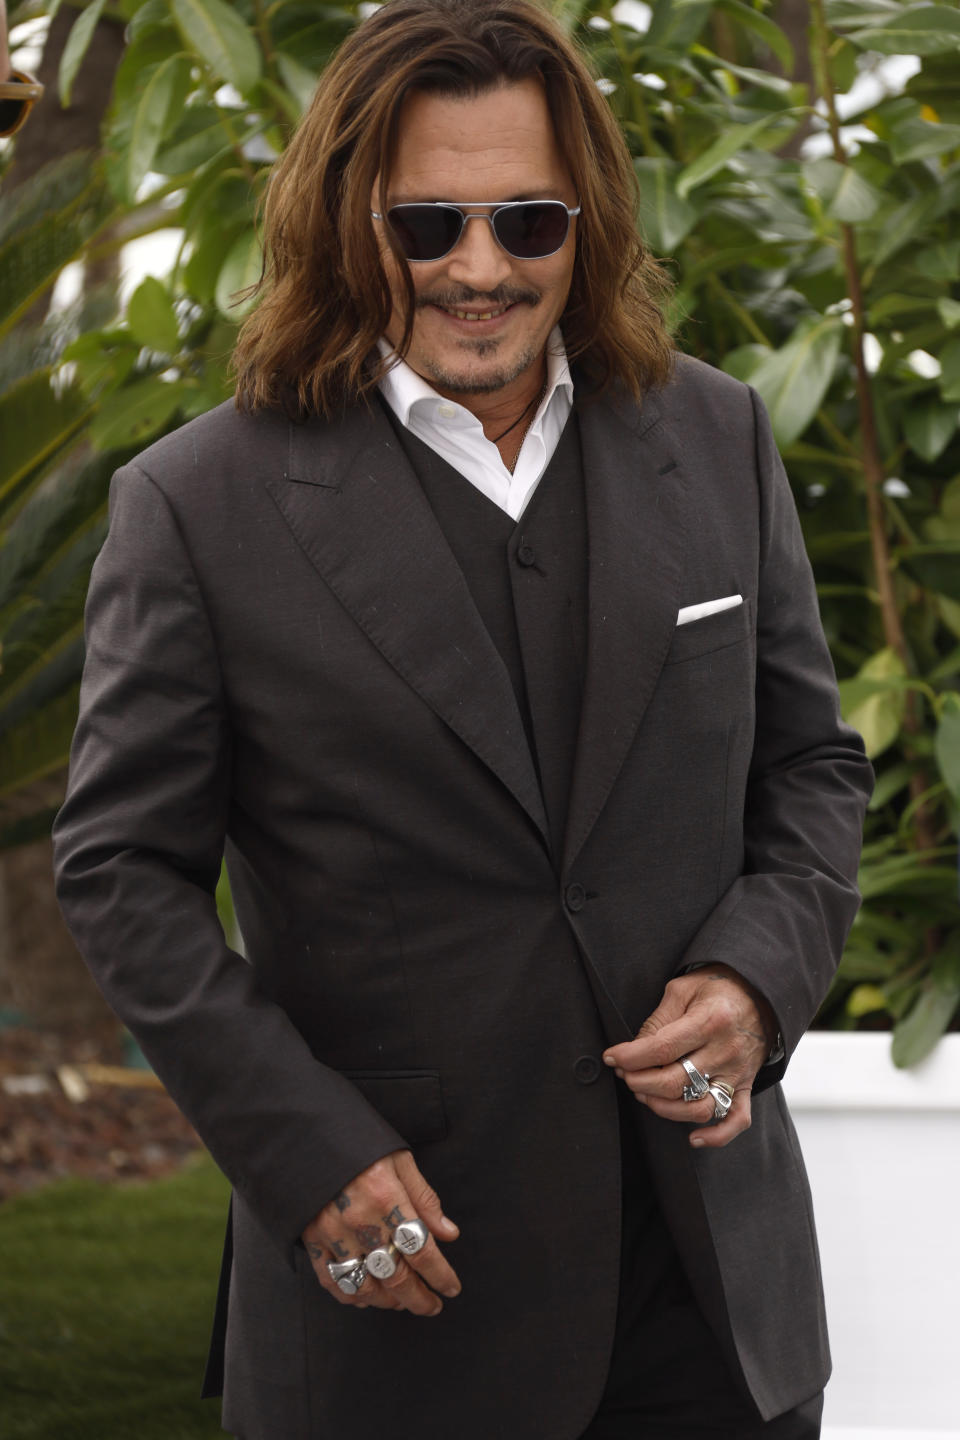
(528, 579)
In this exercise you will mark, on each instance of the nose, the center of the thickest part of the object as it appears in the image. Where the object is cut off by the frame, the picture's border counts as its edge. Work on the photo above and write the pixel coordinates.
(477, 260)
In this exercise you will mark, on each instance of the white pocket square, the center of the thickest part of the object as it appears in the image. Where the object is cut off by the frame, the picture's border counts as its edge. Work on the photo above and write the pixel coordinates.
(707, 607)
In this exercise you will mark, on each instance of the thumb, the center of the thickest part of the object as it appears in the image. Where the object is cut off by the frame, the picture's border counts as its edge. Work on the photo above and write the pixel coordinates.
(425, 1199)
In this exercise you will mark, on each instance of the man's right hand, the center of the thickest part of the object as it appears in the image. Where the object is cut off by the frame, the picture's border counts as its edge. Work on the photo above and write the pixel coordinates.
(364, 1216)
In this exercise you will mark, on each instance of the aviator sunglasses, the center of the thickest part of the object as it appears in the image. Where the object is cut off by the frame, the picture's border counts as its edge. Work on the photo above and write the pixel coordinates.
(526, 229)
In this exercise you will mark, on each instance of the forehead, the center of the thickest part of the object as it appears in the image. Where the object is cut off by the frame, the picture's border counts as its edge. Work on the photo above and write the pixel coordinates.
(499, 144)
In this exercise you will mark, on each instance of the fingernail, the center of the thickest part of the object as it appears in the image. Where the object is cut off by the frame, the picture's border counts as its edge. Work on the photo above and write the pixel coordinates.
(619, 1073)
(698, 1143)
(449, 1226)
(452, 1294)
(609, 1060)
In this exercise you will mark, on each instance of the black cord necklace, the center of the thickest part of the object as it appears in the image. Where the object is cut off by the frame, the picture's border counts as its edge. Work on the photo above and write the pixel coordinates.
(534, 403)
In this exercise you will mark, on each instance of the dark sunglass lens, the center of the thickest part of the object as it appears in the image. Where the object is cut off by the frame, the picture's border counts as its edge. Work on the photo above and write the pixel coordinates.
(531, 231)
(425, 232)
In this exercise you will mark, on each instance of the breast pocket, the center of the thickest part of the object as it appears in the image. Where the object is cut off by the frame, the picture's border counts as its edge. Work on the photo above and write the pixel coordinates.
(712, 632)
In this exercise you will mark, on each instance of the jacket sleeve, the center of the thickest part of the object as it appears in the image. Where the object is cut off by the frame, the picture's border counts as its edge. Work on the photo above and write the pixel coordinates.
(138, 846)
(783, 923)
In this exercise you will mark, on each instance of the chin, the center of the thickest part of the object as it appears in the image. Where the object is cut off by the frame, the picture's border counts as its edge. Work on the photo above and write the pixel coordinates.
(458, 376)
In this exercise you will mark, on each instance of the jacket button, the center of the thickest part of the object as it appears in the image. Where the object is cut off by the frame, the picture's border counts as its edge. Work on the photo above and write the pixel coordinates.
(575, 897)
(587, 1069)
(526, 555)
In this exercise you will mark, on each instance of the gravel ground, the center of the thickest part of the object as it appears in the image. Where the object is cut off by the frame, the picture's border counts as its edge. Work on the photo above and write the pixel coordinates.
(70, 1104)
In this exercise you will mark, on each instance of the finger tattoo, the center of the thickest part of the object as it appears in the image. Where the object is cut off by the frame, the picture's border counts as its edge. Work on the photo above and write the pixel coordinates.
(395, 1218)
(342, 1201)
(369, 1235)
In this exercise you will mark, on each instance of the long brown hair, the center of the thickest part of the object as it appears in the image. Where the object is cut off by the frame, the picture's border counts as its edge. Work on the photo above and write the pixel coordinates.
(324, 299)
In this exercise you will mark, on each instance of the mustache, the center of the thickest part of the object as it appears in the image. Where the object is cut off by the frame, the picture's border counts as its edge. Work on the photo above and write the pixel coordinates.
(490, 299)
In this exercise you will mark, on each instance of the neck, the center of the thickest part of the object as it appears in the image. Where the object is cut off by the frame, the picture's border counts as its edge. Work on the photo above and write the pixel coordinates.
(506, 414)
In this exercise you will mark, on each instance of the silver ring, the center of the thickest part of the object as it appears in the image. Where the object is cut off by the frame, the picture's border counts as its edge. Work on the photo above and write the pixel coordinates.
(382, 1262)
(699, 1084)
(722, 1099)
(348, 1274)
(410, 1236)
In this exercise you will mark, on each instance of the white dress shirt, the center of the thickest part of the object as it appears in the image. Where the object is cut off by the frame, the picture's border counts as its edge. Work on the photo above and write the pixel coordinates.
(457, 435)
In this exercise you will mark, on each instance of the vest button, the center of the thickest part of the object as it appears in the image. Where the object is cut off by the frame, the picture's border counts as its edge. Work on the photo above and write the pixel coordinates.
(526, 555)
(575, 897)
(587, 1069)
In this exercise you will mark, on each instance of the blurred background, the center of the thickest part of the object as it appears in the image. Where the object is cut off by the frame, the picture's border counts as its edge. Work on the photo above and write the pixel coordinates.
(799, 169)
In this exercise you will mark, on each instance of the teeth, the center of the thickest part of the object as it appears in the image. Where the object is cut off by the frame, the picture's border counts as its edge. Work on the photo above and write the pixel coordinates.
(474, 315)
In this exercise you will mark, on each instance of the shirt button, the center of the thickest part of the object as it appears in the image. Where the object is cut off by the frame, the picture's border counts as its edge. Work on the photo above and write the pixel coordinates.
(575, 897)
(526, 555)
(587, 1069)
(446, 412)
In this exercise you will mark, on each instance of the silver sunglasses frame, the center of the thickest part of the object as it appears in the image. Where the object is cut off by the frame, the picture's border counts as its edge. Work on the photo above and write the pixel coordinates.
(493, 207)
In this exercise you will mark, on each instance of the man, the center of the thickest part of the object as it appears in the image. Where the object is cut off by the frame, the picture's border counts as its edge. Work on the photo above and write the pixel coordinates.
(504, 684)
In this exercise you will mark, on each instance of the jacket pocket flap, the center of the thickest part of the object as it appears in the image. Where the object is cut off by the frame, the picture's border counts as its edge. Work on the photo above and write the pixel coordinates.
(409, 1100)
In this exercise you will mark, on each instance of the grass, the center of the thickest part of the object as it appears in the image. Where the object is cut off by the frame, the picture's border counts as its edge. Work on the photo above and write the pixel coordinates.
(106, 1298)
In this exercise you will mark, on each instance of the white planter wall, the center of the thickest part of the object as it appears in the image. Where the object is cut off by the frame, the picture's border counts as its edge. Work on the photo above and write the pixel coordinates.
(882, 1148)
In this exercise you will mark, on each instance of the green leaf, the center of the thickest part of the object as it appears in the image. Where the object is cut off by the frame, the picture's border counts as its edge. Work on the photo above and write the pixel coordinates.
(76, 47)
(36, 421)
(665, 217)
(939, 262)
(929, 425)
(904, 224)
(949, 358)
(847, 196)
(772, 34)
(946, 745)
(733, 139)
(241, 269)
(876, 716)
(198, 138)
(889, 783)
(865, 1000)
(300, 81)
(136, 412)
(220, 38)
(160, 101)
(909, 875)
(917, 30)
(918, 1032)
(792, 381)
(40, 744)
(918, 139)
(861, 12)
(949, 311)
(676, 24)
(151, 317)
(43, 230)
(936, 567)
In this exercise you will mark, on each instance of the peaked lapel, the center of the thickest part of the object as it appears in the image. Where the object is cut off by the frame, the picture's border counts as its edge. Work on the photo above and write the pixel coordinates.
(355, 507)
(635, 488)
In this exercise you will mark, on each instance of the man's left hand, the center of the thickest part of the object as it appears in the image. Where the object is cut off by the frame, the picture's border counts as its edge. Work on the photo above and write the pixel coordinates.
(722, 1025)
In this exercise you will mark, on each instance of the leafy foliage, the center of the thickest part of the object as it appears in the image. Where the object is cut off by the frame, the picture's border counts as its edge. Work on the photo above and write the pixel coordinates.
(828, 278)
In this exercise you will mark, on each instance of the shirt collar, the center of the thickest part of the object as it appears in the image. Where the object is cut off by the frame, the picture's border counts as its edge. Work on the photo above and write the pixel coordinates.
(406, 391)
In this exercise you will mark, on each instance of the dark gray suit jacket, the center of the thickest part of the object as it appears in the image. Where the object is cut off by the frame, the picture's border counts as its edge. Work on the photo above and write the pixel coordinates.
(283, 654)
